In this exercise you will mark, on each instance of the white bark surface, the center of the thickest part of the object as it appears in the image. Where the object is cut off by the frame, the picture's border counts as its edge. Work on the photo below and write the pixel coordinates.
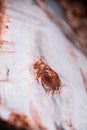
(32, 35)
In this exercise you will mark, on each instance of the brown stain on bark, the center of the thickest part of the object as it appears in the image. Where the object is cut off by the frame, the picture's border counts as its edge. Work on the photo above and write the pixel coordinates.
(7, 77)
(3, 19)
(72, 53)
(70, 125)
(4, 80)
(84, 77)
(1, 15)
(19, 121)
(5, 125)
(49, 79)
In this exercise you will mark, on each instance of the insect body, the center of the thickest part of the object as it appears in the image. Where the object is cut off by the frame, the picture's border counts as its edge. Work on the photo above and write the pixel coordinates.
(47, 76)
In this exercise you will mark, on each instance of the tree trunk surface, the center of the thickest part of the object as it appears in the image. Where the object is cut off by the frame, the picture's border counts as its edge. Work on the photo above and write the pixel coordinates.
(43, 76)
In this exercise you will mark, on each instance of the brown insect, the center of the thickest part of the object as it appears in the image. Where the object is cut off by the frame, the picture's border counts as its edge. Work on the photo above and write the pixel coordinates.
(47, 76)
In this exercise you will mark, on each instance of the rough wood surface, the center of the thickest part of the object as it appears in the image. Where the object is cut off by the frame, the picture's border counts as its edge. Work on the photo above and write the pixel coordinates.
(24, 104)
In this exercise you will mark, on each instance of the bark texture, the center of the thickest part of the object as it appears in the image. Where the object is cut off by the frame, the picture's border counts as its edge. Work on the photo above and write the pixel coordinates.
(43, 76)
(76, 14)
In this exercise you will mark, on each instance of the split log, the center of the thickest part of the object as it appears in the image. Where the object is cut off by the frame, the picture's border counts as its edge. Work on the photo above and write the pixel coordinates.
(43, 76)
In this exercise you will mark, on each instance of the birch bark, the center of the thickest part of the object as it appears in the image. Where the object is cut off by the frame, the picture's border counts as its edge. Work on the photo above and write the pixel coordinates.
(34, 34)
